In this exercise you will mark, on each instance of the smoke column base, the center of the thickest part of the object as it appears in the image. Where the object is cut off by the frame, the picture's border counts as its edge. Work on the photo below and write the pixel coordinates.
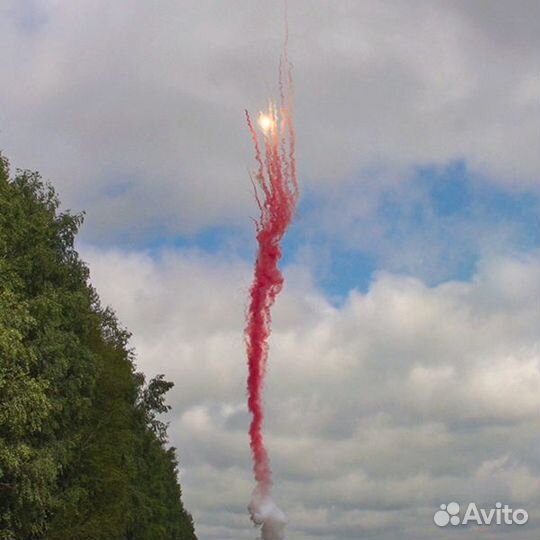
(265, 513)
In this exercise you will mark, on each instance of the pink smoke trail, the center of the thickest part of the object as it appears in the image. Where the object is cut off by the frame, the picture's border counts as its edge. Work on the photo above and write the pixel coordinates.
(276, 193)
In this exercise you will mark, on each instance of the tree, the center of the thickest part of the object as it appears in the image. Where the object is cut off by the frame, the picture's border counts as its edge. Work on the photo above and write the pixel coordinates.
(82, 450)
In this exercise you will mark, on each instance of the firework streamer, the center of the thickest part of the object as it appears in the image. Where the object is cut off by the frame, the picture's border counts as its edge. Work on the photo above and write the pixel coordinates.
(276, 192)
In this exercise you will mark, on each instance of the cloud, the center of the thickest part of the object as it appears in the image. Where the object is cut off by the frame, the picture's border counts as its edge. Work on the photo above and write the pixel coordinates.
(436, 224)
(379, 410)
(136, 111)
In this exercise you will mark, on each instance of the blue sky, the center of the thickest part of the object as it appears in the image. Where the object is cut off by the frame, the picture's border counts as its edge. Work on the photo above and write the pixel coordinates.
(463, 214)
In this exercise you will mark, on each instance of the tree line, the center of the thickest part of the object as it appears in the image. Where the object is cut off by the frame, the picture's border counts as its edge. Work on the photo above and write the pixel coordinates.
(83, 453)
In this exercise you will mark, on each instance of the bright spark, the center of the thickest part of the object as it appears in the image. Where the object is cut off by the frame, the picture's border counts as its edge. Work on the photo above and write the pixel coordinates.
(266, 122)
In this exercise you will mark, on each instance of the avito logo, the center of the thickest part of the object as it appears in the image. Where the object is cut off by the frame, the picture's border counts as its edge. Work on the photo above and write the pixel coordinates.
(450, 514)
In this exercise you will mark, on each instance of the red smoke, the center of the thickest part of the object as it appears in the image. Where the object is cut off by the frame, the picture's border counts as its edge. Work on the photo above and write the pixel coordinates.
(276, 192)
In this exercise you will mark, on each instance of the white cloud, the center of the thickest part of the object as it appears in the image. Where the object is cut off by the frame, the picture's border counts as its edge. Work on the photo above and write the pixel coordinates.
(136, 111)
(379, 410)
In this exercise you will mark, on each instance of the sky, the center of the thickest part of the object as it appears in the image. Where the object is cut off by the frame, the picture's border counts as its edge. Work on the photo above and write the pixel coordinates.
(404, 368)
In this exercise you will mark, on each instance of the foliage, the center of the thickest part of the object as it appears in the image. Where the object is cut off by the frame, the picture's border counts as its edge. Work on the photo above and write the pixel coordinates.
(82, 450)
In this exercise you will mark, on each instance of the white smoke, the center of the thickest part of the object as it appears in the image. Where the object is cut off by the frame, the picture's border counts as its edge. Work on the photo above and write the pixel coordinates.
(265, 513)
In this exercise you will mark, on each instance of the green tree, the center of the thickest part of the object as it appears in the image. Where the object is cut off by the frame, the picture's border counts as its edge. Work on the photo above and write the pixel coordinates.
(82, 450)
(46, 368)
